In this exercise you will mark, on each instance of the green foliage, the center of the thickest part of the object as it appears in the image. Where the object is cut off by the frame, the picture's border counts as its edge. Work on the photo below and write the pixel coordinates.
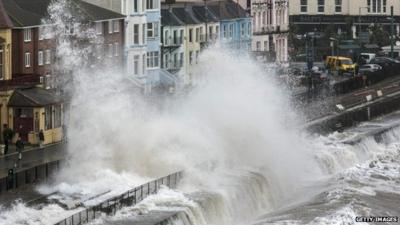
(379, 35)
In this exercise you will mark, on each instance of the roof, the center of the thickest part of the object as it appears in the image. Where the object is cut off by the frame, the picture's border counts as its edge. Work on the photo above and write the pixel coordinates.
(227, 10)
(5, 21)
(185, 15)
(169, 19)
(349, 46)
(371, 46)
(203, 14)
(25, 13)
(195, 13)
(33, 97)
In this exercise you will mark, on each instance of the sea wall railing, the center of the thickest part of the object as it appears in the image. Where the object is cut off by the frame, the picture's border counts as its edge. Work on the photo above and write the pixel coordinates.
(129, 198)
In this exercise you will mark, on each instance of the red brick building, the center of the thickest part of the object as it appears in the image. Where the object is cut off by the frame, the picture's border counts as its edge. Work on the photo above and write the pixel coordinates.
(33, 53)
(29, 54)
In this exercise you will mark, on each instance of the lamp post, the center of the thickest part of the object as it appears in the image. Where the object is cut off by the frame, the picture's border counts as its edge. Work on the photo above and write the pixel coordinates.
(391, 32)
(391, 18)
(333, 40)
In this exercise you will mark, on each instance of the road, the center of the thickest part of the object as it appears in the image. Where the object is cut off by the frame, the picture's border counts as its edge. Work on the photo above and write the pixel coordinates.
(326, 106)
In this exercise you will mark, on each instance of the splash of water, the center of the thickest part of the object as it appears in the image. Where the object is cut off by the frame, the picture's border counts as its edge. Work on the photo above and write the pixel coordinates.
(236, 116)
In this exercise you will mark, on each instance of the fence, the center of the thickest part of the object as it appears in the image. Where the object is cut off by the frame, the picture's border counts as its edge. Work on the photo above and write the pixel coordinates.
(21, 177)
(129, 198)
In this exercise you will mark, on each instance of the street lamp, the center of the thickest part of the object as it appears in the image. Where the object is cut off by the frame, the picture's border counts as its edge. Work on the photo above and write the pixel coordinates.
(333, 40)
(391, 32)
(391, 18)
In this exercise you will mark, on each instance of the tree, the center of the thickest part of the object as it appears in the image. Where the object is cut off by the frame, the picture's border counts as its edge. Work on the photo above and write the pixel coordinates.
(378, 35)
(295, 44)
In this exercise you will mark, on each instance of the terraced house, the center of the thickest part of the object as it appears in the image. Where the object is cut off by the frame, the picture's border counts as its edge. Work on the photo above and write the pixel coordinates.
(270, 29)
(189, 27)
(28, 100)
(143, 40)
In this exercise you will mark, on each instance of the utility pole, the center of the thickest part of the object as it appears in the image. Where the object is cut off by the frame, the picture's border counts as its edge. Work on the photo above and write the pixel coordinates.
(391, 32)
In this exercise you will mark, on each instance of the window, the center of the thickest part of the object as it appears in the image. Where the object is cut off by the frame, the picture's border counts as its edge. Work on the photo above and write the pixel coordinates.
(136, 34)
(136, 64)
(197, 57)
(27, 59)
(47, 56)
(99, 28)
(166, 38)
(151, 4)
(110, 50)
(258, 46)
(190, 57)
(135, 6)
(374, 6)
(57, 116)
(265, 45)
(175, 60)
(116, 26)
(152, 30)
(166, 60)
(48, 81)
(181, 35)
(210, 32)
(41, 33)
(191, 35)
(369, 5)
(201, 34)
(321, 6)
(116, 49)
(249, 29)
(110, 27)
(144, 63)
(338, 6)
(144, 33)
(231, 30)
(48, 118)
(225, 29)
(379, 5)
(242, 29)
(40, 58)
(197, 34)
(175, 37)
(217, 31)
(384, 6)
(303, 6)
(152, 59)
(27, 34)
(181, 59)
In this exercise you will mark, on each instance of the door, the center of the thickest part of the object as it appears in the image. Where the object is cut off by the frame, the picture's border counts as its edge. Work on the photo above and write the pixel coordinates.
(23, 122)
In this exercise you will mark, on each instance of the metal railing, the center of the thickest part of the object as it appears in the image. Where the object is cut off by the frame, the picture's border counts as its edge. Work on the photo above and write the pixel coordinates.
(24, 176)
(129, 198)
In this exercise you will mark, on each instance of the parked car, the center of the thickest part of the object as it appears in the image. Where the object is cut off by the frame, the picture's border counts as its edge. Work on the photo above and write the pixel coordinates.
(340, 64)
(368, 56)
(385, 61)
(369, 68)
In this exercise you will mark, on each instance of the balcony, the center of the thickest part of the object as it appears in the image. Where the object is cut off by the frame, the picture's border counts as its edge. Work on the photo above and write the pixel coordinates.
(172, 42)
(271, 29)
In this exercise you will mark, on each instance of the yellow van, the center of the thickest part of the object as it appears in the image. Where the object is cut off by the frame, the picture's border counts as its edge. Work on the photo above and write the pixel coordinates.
(340, 64)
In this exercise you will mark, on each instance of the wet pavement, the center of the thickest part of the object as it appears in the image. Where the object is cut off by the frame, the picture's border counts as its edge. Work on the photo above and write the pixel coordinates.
(31, 157)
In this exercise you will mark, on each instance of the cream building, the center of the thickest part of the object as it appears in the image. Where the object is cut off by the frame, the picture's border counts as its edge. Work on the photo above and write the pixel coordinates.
(314, 14)
(270, 29)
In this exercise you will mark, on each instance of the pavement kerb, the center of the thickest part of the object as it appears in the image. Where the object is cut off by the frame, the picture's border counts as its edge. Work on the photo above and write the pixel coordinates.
(32, 149)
